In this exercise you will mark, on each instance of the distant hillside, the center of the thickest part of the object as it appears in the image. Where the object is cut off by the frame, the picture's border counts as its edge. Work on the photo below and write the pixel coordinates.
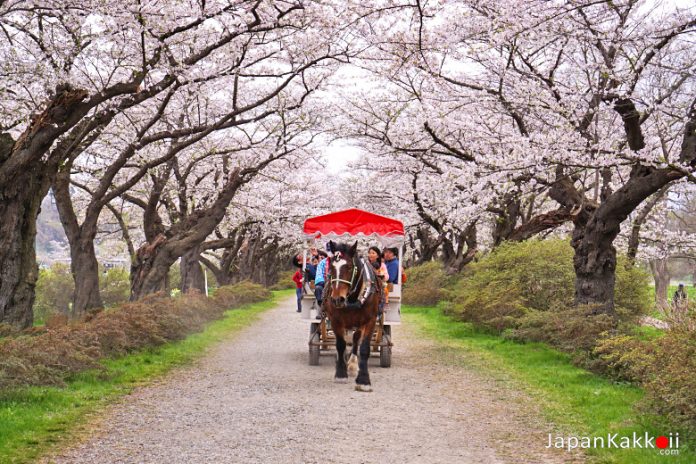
(51, 242)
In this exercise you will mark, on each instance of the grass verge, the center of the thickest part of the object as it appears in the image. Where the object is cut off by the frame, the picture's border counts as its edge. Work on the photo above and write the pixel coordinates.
(34, 420)
(577, 401)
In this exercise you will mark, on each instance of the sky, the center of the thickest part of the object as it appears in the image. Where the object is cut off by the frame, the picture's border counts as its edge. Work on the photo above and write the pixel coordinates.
(339, 153)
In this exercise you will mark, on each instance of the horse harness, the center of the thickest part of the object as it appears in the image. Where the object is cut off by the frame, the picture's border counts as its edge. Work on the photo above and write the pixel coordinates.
(360, 289)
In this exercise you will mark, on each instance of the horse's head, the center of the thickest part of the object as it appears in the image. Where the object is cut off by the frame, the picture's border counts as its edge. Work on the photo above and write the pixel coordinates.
(344, 272)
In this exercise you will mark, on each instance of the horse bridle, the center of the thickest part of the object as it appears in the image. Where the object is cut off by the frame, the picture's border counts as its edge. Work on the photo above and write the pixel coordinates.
(338, 280)
(352, 281)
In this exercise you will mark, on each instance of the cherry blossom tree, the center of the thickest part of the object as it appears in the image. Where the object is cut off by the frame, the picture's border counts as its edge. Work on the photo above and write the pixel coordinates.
(591, 100)
(74, 68)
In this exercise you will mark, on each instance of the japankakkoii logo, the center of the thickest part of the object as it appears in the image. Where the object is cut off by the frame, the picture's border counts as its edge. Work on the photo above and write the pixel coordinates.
(667, 445)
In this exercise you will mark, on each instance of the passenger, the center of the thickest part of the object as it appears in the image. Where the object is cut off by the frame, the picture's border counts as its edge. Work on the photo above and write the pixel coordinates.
(375, 258)
(320, 279)
(312, 268)
(310, 274)
(297, 261)
(391, 260)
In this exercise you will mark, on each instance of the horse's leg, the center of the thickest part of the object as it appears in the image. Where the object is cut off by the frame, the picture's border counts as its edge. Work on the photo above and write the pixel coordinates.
(341, 372)
(362, 381)
(353, 361)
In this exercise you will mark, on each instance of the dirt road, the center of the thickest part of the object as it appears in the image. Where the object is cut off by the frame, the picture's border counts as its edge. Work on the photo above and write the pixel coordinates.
(255, 399)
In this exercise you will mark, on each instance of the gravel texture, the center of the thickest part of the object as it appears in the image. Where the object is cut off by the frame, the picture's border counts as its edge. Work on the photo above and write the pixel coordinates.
(255, 399)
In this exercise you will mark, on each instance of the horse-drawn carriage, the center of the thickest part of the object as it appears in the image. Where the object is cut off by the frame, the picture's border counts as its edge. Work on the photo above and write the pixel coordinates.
(348, 225)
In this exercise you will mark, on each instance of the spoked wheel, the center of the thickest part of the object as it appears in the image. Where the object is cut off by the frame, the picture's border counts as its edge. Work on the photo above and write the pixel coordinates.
(314, 337)
(385, 350)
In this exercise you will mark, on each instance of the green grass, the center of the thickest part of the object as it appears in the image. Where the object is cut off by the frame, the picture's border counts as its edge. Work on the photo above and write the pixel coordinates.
(577, 401)
(647, 333)
(36, 419)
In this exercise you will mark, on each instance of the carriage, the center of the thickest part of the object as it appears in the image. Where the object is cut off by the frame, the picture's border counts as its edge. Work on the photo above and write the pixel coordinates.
(348, 225)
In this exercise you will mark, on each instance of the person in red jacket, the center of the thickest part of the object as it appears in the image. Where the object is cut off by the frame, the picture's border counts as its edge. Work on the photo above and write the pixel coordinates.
(297, 278)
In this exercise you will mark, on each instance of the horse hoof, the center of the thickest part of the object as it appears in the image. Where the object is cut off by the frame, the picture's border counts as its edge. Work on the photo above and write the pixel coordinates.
(353, 366)
(341, 379)
(363, 388)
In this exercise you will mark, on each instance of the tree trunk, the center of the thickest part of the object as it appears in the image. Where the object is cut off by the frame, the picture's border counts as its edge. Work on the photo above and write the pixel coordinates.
(634, 238)
(153, 260)
(150, 268)
(506, 219)
(467, 246)
(25, 177)
(192, 277)
(595, 266)
(428, 245)
(85, 271)
(662, 277)
(83, 257)
(222, 276)
(20, 203)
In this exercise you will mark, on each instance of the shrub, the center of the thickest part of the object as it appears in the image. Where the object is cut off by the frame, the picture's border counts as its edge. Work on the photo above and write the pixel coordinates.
(244, 292)
(573, 330)
(520, 280)
(631, 291)
(47, 356)
(425, 284)
(665, 367)
(514, 279)
(54, 291)
(669, 378)
(622, 357)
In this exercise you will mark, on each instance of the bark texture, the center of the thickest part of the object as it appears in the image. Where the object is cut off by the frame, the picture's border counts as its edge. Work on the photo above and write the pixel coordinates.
(25, 177)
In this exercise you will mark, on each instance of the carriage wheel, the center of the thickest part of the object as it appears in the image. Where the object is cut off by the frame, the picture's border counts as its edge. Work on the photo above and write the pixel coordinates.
(385, 350)
(385, 356)
(314, 337)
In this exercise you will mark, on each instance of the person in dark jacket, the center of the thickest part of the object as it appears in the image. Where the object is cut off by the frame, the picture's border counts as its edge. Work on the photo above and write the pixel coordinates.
(680, 300)
(391, 260)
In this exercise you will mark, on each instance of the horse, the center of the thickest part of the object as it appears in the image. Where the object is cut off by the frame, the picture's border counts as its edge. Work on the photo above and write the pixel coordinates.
(352, 301)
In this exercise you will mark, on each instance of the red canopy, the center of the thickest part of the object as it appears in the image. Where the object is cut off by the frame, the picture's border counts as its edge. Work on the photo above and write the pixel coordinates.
(353, 222)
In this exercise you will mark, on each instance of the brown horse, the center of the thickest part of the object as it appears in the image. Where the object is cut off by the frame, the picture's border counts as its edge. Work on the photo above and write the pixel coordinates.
(352, 302)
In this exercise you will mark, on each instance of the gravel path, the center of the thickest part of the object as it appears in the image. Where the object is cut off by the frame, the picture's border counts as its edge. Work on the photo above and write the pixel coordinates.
(255, 399)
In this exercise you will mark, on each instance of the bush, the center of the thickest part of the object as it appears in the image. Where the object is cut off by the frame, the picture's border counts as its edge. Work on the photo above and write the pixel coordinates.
(512, 280)
(528, 279)
(632, 291)
(665, 367)
(668, 374)
(242, 293)
(573, 330)
(54, 291)
(47, 356)
(425, 284)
